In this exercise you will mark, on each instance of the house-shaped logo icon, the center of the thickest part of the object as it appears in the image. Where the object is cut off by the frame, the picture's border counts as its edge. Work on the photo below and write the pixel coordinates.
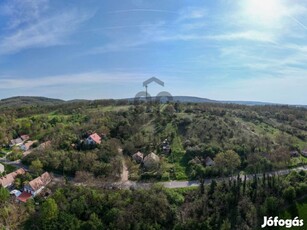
(153, 79)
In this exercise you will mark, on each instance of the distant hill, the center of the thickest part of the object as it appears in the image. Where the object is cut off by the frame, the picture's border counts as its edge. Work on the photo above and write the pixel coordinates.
(187, 99)
(190, 99)
(28, 101)
(32, 101)
(250, 103)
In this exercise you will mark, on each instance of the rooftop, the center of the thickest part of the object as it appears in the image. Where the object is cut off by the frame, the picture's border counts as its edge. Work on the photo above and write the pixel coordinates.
(24, 196)
(95, 137)
(40, 181)
(10, 178)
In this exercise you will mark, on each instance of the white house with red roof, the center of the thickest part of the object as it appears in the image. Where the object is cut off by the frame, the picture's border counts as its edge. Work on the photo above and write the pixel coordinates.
(34, 187)
(93, 139)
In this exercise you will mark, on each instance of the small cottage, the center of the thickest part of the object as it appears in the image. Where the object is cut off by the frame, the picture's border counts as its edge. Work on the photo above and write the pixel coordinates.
(35, 186)
(26, 146)
(93, 139)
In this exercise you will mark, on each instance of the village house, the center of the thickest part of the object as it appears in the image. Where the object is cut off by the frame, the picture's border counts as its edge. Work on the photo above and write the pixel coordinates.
(26, 146)
(8, 180)
(41, 147)
(19, 141)
(93, 139)
(34, 187)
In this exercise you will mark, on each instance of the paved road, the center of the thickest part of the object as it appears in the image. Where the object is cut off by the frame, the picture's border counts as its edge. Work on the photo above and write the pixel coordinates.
(17, 163)
(170, 184)
(181, 184)
(185, 184)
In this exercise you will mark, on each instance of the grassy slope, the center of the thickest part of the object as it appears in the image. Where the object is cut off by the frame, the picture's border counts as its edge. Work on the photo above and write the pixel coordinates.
(177, 160)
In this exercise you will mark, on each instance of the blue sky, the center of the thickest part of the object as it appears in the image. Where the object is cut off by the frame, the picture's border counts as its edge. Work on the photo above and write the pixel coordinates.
(218, 49)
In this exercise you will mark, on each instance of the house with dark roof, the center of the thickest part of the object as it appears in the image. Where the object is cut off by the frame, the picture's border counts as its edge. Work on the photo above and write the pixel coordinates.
(93, 139)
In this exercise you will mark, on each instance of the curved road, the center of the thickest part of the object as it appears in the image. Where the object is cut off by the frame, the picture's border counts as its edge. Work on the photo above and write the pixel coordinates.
(171, 184)
(185, 184)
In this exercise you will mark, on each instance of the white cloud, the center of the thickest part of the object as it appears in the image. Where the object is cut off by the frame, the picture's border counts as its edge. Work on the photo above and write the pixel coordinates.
(269, 58)
(192, 13)
(245, 35)
(31, 24)
(97, 77)
(47, 32)
(192, 24)
(142, 10)
(164, 36)
(20, 12)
